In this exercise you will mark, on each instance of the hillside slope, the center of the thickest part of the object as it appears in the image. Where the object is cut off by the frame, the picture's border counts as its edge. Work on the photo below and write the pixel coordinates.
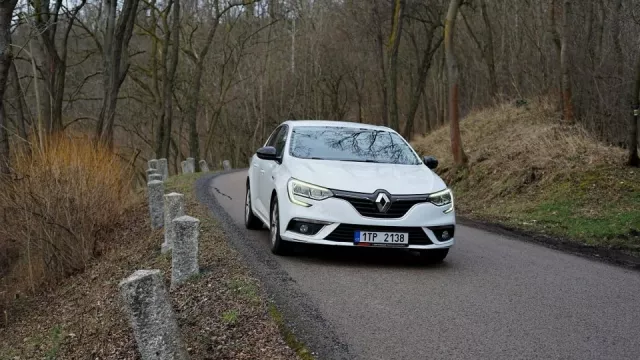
(529, 172)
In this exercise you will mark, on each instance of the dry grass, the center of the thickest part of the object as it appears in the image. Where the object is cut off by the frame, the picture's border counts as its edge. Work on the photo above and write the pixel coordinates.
(510, 146)
(56, 205)
(527, 169)
(222, 313)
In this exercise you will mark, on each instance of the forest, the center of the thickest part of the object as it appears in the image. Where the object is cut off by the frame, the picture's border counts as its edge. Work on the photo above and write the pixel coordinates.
(210, 79)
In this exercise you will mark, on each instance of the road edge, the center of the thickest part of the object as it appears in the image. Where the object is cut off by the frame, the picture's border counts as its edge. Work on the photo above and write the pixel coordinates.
(597, 253)
(299, 314)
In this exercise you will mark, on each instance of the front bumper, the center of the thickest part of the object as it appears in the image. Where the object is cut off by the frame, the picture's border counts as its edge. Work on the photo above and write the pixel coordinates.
(422, 221)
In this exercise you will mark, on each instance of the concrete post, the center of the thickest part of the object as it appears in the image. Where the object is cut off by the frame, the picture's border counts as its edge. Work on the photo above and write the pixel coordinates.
(173, 208)
(163, 169)
(151, 316)
(191, 165)
(153, 164)
(226, 165)
(184, 256)
(155, 176)
(203, 166)
(155, 190)
(150, 172)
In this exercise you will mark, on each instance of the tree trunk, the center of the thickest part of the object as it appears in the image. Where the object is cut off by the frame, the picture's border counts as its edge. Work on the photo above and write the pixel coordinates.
(20, 120)
(383, 76)
(6, 13)
(170, 79)
(164, 130)
(116, 64)
(459, 157)
(423, 70)
(425, 111)
(394, 45)
(489, 53)
(567, 97)
(192, 114)
(634, 160)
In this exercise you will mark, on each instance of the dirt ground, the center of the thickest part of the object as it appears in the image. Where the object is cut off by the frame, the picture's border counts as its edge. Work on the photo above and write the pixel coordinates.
(222, 313)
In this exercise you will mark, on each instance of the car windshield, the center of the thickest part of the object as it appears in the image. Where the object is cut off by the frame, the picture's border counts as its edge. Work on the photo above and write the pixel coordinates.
(350, 144)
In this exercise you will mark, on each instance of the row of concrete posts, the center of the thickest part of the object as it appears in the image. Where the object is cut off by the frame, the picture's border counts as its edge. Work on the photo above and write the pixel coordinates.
(144, 293)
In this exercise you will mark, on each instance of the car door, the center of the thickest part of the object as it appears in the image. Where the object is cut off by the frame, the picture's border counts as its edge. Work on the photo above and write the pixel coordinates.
(269, 167)
(259, 179)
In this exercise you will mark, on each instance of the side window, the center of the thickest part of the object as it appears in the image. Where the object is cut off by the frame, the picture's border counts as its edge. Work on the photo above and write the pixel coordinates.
(274, 135)
(281, 140)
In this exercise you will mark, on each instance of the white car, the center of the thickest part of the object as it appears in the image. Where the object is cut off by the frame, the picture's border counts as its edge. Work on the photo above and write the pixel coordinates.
(348, 184)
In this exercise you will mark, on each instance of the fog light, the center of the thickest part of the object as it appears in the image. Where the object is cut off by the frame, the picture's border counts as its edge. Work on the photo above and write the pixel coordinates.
(443, 233)
(305, 227)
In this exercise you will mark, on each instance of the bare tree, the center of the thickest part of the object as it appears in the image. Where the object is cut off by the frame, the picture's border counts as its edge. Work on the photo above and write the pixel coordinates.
(394, 46)
(163, 135)
(459, 157)
(55, 49)
(567, 96)
(115, 55)
(6, 14)
(429, 28)
(486, 47)
(634, 160)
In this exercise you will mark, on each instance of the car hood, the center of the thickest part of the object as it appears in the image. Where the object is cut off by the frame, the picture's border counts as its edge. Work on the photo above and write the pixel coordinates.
(367, 177)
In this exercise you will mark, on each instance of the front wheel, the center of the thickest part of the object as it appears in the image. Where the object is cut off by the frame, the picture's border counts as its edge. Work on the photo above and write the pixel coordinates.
(278, 245)
(434, 256)
(251, 221)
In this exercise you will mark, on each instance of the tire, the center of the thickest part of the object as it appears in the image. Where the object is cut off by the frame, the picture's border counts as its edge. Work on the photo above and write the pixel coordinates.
(434, 256)
(278, 246)
(251, 221)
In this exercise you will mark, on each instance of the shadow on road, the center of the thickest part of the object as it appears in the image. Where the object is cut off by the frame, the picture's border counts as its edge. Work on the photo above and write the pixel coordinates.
(361, 256)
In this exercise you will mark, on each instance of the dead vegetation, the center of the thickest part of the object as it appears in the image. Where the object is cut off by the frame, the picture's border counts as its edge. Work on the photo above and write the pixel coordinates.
(61, 199)
(221, 312)
(529, 171)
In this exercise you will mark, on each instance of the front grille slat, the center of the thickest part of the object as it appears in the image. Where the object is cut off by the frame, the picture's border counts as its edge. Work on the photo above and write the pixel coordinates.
(345, 233)
(365, 204)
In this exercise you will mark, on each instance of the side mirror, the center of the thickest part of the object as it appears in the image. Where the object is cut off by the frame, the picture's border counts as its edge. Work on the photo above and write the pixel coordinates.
(430, 161)
(267, 153)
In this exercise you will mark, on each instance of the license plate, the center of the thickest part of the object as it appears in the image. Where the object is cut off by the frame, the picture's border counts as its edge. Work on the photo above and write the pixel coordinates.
(375, 238)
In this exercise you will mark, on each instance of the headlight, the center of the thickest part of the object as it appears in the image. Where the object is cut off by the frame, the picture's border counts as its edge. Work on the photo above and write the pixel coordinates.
(441, 198)
(299, 189)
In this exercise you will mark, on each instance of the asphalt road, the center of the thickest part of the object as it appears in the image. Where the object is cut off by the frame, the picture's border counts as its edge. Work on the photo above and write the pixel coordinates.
(493, 298)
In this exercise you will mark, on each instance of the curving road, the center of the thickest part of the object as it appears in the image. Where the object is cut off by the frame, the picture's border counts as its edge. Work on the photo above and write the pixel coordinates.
(493, 298)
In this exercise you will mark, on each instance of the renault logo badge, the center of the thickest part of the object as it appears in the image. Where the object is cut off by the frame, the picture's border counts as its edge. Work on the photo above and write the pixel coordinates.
(383, 202)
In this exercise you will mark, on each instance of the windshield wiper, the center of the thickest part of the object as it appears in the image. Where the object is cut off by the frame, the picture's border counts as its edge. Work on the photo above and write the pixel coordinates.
(364, 160)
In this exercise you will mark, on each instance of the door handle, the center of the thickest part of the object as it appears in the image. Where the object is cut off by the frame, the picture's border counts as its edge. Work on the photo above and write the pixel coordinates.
(255, 165)
(261, 171)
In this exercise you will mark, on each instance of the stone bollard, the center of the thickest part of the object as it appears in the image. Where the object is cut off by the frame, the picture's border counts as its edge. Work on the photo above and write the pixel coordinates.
(163, 169)
(154, 324)
(153, 164)
(226, 165)
(173, 208)
(151, 172)
(191, 165)
(184, 166)
(203, 166)
(184, 256)
(155, 176)
(155, 189)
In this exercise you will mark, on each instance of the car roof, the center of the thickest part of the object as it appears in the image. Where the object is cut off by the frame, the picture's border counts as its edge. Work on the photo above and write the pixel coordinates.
(331, 123)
